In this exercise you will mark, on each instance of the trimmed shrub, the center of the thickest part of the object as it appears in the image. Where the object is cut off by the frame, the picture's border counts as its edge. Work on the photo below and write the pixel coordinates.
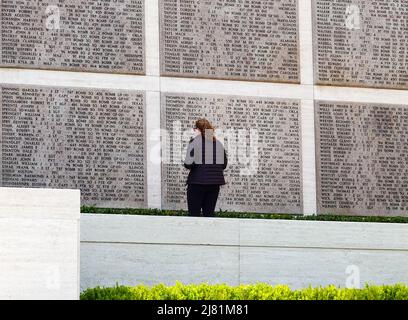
(244, 292)
(246, 215)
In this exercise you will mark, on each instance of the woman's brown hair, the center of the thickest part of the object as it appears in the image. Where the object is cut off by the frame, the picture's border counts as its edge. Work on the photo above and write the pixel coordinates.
(206, 128)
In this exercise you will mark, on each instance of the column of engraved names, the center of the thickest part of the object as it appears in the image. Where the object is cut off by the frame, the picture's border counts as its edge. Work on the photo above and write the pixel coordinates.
(250, 40)
(75, 138)
(361, 43)
(275, 184)
(362, 156)
(78, 35)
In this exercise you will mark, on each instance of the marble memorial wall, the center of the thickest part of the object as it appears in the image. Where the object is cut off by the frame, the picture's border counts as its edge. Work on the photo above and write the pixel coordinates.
(362, 152)
(161, 62)
(361, 43)
(75, 138)
(76, 35)
(270, 183)
(245, 40)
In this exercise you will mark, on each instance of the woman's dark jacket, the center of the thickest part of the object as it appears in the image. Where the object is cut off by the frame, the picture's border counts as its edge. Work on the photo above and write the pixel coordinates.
(206, 159)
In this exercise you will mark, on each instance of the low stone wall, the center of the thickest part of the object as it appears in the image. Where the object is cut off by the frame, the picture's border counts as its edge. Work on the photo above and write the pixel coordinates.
(132, 250)
(39, 243)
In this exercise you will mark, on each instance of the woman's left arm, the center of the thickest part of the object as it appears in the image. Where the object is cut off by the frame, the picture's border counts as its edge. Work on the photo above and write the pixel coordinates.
(189, 160)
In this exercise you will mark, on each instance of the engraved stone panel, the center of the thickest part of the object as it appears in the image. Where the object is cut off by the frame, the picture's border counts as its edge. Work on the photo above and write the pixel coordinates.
(269, 182)
(76, 35)
(248, 40)
(362, 156)
(75, 138)
(361, 43)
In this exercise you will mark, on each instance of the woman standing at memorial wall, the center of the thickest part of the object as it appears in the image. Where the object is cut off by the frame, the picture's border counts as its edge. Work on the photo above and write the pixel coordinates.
(206, 159)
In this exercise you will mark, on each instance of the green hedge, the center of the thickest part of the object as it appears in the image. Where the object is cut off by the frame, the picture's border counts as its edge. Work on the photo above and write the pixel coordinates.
(246, 215)
(248, 292)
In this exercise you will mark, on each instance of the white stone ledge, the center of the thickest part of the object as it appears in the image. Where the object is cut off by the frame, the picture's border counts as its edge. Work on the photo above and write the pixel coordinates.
(324, 235)
(39, 203)
(39, 243)
(300, 268)
(39, 259)
(132, 250)
(364, 95)
(156, 83)
(158, 230)
(243, 232)
(78, 79)
(241, 88)
(133, 264)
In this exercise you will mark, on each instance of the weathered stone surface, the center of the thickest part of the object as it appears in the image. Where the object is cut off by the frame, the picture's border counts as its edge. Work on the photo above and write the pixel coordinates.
(75, 138)
(39, 244)
(75, 35)
(133, 249)
(270, 181)
(362, 158)
(248, 40)
(361, 43)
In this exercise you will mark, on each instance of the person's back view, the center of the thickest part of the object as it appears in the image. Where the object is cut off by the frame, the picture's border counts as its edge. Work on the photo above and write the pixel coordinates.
(206, 159)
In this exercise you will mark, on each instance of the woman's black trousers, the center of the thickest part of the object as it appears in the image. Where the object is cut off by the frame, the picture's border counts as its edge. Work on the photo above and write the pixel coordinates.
(202, 199)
